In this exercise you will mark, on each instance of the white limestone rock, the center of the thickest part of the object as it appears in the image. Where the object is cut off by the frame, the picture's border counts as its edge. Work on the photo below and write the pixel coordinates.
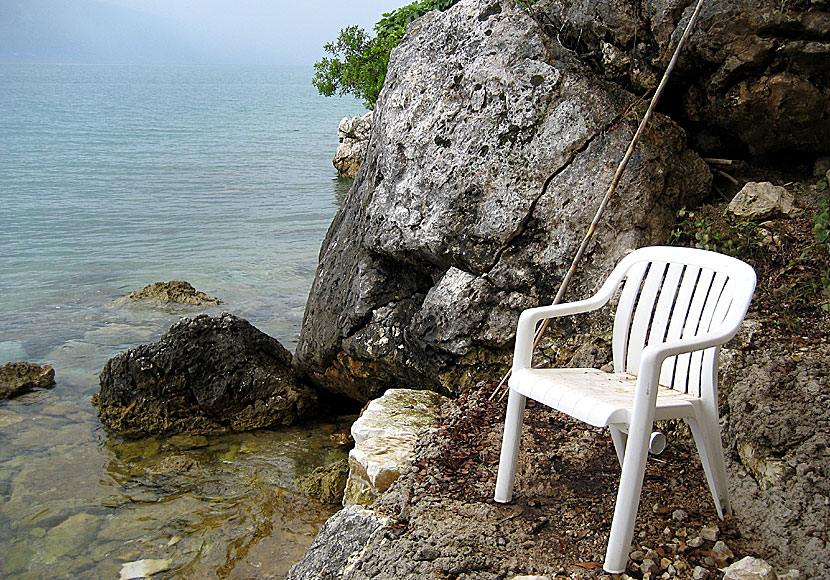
(353, 137)
(749, 568)
(385, 436)
(757, 201)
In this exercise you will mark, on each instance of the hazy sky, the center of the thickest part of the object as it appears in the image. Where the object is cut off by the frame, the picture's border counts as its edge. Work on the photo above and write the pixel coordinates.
(179, 31)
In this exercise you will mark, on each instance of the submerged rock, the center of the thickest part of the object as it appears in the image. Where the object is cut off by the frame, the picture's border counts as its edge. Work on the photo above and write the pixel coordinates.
(326, 483)
(17, 378)
(205, 374)
(353, 136)
(173, 292)
(143, 568)
(448, 232)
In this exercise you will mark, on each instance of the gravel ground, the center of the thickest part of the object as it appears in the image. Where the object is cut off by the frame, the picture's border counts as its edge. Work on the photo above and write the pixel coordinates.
(444, 523)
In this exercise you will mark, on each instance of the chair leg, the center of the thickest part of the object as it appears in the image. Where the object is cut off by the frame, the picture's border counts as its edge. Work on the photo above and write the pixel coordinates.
(707, 439)
(619, 437)
(510, 446)
(628, 499)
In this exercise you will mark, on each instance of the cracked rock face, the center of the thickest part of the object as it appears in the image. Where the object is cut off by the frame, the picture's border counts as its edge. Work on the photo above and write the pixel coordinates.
(746, 60)
(447, 233)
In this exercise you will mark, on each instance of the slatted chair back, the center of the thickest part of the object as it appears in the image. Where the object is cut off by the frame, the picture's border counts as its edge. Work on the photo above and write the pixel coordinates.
(675, 295)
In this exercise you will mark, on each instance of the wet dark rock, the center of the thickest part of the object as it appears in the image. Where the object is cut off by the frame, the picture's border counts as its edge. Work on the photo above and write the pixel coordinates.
(173, 292)
(206, 374)
(17, 378)
(754, 75)
(447, 233)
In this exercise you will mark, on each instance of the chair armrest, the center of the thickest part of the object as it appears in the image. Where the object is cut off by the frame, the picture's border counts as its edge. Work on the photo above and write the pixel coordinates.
(526, 329)
(653, 355)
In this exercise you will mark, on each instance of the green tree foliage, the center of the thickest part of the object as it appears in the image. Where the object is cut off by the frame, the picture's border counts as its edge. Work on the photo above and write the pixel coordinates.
(358, 62)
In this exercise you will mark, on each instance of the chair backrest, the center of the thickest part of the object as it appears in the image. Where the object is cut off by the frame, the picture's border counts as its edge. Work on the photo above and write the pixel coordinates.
(672, 293)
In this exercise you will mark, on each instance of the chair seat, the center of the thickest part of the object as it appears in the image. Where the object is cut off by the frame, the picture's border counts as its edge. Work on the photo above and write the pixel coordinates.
(594, 396)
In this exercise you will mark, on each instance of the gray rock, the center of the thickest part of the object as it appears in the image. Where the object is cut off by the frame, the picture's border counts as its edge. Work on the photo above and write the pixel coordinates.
(754, 73)
(206, 374)
(17, 378)
(778, 412)
(353, 141)
(757, 201)
(710, 533)
(446, 235)
(679, 515)
(720, 551)
(342, 538)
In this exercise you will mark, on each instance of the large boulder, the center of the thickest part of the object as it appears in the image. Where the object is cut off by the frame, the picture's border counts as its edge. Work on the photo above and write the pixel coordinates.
(448, 233)
(206, 374)
(755, 74)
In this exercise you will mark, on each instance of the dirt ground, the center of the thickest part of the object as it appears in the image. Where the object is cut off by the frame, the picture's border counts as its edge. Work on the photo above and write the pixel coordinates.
(446, 524)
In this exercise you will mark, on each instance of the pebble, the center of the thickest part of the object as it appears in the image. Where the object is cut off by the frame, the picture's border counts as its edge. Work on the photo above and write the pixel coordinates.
(649, 566)
(721, 552)
(700, 573)
(710, 533)
(679, 516)
(695, 542)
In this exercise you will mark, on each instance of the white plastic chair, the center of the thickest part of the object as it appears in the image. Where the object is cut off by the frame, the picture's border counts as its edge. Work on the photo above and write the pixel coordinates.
(677, 306)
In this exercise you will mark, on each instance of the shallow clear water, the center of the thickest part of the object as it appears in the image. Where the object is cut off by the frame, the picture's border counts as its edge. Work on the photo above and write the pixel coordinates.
(111, 178)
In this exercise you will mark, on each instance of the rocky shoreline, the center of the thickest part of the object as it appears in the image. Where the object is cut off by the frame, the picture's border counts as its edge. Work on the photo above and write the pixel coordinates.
(495, 135)
(494, 138)
(439, 519)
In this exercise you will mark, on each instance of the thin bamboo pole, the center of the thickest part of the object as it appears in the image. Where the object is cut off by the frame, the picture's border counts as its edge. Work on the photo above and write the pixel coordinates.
(613, 186)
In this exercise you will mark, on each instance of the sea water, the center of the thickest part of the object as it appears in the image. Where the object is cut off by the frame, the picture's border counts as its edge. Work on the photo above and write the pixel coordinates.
(112, 178)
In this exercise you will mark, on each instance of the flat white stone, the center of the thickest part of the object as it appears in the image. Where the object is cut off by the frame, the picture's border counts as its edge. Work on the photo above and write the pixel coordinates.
(143, 568)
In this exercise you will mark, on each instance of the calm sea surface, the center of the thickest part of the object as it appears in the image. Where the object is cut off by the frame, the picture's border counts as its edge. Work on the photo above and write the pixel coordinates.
(111, 178)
